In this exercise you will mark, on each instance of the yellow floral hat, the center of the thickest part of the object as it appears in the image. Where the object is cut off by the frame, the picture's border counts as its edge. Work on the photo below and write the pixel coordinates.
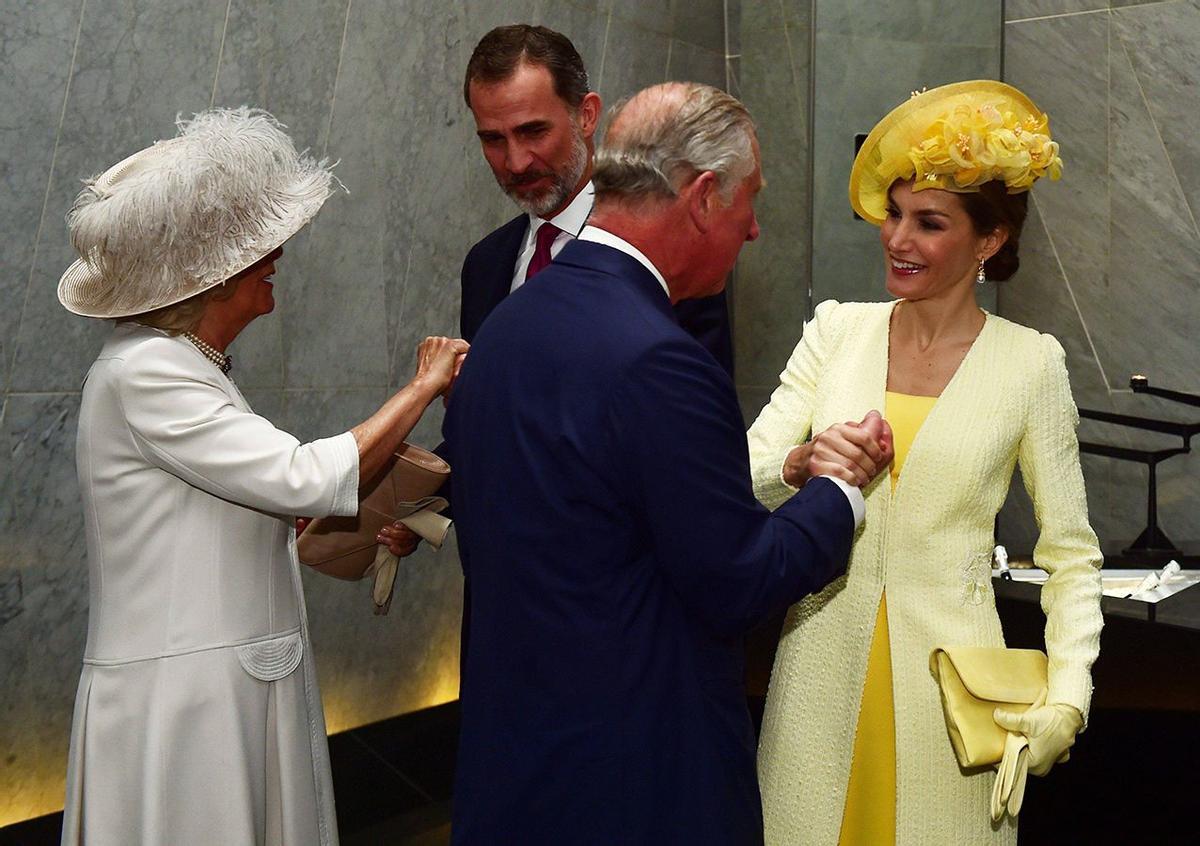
(955, 137)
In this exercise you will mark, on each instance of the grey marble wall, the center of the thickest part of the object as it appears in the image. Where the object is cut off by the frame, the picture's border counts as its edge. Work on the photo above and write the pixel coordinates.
(374, 83)
(1110, 259)
(772, 74)
(815, 73)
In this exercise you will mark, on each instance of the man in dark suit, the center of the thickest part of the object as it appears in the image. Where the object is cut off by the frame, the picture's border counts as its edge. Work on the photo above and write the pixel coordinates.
(605, 515)
(535, 117)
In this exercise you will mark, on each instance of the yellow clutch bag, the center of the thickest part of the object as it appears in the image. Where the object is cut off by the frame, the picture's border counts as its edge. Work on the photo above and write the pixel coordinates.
(976, 680)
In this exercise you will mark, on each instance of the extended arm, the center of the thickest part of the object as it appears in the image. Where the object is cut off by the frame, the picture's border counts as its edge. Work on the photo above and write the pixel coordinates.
(1067, 550)
(678, 438)
(380, 434)
(184, 421)
(787, 420)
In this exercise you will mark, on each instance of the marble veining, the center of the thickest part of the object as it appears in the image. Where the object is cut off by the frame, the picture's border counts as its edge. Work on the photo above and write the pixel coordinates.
(45, 598)
(1018, 11)
(1119, 286)
(34, 38)
(770, 290)
(136, 66)
(1167, 76)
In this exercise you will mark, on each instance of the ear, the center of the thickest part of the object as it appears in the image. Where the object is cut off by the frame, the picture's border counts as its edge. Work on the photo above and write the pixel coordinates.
(993, 241)
(589, 112)
(702, 199)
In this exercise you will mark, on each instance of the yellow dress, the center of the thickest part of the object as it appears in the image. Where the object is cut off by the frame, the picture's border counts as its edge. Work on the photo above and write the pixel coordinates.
(870, 813)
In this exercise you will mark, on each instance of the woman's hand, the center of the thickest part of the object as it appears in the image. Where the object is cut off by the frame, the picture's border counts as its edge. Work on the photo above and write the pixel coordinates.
(1050, 729)
(399, 539)
(1037, 740)
(439, 360)
(378, 436)
(853, 452)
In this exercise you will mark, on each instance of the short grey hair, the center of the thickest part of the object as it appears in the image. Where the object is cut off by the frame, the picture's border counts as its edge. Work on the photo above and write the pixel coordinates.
(703, 129)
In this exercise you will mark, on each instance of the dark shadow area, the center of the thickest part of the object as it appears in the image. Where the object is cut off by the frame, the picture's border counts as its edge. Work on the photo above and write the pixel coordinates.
(392, 780)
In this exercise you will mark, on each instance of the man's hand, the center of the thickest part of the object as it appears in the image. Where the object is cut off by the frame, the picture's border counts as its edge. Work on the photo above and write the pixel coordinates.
(399, 539)
(854, 452)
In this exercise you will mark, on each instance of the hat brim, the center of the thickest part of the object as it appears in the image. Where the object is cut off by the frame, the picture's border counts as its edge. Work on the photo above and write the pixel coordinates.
(870, 182)
(83, 289)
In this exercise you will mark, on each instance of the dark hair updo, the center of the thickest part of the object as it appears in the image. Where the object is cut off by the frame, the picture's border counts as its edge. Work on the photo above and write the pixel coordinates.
(991, 207)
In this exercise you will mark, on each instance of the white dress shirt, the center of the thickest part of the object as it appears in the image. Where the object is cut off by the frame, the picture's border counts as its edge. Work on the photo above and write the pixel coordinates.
(570, 220)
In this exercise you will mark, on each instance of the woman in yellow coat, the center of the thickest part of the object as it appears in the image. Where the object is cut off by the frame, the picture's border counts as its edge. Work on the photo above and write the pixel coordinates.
(854, 747)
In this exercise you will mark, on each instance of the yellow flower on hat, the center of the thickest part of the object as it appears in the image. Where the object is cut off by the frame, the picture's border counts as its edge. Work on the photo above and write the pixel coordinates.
(957, 138)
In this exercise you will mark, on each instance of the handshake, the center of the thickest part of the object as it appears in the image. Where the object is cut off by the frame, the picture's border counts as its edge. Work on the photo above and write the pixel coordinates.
(854, 452)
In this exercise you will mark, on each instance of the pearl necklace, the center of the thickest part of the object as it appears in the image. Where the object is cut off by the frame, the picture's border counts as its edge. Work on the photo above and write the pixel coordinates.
(223, 362)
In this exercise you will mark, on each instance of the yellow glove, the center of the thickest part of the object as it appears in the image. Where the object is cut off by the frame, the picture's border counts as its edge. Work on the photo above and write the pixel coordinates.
(1050, 730)
(1037, 740)
(1009, 789)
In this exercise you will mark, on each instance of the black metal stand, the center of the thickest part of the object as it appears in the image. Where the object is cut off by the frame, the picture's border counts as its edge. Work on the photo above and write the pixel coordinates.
(1152, 547)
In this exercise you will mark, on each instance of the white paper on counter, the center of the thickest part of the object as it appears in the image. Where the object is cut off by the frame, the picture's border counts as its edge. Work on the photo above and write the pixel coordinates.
(1121, 582)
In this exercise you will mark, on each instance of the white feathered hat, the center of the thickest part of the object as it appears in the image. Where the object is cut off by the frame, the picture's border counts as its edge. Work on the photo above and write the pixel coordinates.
(187, 213)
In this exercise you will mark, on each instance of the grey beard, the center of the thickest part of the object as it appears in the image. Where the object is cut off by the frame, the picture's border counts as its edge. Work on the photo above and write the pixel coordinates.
(564, 183)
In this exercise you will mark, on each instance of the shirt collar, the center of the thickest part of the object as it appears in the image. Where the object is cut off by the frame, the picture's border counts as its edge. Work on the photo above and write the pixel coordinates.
(602, 236)
(571, 219)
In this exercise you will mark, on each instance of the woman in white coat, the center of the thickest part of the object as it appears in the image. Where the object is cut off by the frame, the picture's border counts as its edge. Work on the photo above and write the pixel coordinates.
(198, 719)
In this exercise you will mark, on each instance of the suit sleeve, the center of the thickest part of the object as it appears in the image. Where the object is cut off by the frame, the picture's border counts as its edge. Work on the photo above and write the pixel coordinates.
(185, 423)
(786, 422)
(466, 319)
(1066, 548)
(682, 453)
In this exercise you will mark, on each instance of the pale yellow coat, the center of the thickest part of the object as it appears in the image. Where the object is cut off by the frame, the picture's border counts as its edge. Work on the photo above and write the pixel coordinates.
(928, 543)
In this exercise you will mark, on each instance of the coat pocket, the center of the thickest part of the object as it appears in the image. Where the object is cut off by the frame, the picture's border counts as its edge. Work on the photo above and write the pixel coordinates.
(272, 660)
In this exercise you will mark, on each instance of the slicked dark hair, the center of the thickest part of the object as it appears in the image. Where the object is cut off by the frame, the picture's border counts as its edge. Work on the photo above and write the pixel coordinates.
(993, 207)
(498, 54)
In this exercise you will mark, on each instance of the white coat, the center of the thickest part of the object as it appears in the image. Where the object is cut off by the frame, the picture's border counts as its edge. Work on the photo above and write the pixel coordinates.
(198, 719)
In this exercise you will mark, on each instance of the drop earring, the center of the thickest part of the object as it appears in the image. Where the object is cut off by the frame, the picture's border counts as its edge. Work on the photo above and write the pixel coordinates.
(981, 274)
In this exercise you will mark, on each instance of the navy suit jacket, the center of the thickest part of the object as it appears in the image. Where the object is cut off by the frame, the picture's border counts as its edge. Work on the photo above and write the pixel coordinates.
(487, 274)
(616, 556)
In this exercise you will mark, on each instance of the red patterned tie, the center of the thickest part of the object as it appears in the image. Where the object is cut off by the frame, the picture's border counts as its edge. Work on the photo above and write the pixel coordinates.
(546, 234)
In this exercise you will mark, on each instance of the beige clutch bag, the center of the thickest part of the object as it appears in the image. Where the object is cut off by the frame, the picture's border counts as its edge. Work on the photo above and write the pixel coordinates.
(976, 680)
(345, 547)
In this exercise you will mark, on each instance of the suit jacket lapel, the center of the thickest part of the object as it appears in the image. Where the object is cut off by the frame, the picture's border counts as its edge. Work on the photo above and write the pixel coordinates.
(496, 285)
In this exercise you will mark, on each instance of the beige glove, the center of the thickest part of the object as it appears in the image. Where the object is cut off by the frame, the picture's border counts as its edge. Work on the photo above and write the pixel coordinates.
(1009, 789)
(1037, 740)
(1050, 730)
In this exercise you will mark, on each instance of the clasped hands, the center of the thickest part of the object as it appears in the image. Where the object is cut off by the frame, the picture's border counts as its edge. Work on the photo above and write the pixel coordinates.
(1037, 740)
(854, 452)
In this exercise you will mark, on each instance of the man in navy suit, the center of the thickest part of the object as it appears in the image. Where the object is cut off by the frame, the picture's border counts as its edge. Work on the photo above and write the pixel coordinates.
(605, 515)
(536, 118)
